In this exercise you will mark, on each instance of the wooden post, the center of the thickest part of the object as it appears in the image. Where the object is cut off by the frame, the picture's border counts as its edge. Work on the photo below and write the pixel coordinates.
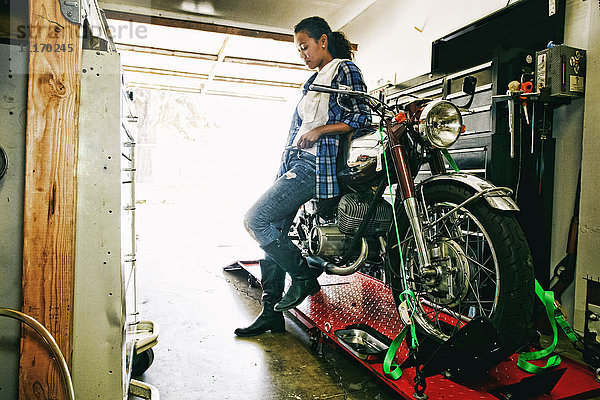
(50, 194)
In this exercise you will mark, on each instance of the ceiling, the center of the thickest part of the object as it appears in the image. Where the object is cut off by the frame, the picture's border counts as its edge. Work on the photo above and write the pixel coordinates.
(212, 61)
(273, 15)
(194, 61)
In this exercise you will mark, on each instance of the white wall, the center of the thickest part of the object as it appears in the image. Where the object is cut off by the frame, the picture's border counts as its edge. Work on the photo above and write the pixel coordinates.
(589, 219)
(390, 48)
(568, 131)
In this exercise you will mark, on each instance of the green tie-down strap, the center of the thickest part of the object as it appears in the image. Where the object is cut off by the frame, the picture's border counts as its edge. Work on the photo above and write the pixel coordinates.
(388, 361)
(407, 295)
(560, 318)
(554, 316)
(450, 160)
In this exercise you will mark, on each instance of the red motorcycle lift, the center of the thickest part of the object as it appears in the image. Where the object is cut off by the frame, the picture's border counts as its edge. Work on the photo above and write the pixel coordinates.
(358, 300)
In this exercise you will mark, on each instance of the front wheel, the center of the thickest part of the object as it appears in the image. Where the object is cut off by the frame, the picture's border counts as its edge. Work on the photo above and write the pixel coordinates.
(481, 266)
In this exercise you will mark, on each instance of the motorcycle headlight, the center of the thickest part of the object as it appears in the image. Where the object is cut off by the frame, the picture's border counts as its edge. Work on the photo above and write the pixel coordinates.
(440, 124)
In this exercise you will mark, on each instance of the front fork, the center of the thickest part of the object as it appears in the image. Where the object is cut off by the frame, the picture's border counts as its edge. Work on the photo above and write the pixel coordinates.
(411, 205)
(408, 191)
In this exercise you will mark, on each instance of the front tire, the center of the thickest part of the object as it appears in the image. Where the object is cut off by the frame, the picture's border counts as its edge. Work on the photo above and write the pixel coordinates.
(482, 264)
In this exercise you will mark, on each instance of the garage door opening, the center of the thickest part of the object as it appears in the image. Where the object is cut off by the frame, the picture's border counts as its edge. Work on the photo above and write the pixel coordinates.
(214, 111)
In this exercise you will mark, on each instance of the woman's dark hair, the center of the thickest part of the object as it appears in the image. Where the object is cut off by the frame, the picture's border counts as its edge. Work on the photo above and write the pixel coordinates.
(337, 43)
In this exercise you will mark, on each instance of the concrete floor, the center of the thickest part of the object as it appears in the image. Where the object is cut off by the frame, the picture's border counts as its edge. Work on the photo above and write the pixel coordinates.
(197, 305)
(182, 287)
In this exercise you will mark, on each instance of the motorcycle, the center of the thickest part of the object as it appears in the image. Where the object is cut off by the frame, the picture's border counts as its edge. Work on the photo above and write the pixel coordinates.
(452, 238)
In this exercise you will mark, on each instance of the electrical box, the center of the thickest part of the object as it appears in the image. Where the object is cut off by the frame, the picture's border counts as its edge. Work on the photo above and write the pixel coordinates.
(561, 69)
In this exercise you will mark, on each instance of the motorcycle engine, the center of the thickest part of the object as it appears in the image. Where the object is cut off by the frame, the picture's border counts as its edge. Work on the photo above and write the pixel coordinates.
(332, 239)
(352, 210)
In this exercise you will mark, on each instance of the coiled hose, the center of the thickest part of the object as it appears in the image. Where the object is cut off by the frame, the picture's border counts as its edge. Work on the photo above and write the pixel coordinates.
(50, 342)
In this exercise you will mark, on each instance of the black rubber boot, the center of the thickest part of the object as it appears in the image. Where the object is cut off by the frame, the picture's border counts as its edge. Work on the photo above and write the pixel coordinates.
(272, 282)
(290, 259)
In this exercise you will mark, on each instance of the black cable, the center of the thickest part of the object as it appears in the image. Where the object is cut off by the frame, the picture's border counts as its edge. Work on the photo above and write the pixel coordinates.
(519, 171)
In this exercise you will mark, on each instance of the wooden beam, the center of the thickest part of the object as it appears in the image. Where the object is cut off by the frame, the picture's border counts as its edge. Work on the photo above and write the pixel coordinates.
(50, 194)
(181, 89)
(215, 65)
(161, 51)
(201, 26)
(265, 63)
(216, 78)
(165, 52)
(262, 82)
(158, 86)
(163, 72)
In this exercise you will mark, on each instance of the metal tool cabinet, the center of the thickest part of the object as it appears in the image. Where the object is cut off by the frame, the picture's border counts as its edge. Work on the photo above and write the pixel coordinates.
(106, 326)
(484, 148)
(105, 317)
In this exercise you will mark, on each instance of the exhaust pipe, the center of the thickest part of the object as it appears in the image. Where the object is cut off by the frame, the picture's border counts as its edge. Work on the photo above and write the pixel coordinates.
(335, 269)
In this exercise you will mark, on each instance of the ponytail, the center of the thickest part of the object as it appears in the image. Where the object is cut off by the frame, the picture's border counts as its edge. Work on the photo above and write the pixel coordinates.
(339, 46)
(337, 43)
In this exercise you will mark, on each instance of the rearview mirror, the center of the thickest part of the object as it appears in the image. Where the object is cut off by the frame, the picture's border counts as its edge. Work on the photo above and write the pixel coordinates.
(469, 85)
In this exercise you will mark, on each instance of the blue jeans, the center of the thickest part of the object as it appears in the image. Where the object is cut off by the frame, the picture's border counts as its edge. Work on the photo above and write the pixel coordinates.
(273, 213)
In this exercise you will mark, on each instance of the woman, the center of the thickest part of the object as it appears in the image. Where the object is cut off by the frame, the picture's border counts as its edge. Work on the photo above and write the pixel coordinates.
(308, 169)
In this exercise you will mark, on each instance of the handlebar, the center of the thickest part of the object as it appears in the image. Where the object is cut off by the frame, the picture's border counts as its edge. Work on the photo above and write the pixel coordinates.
(328, 89)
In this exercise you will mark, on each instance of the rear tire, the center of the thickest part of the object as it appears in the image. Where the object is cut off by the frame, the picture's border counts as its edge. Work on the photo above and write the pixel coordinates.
(485, 257)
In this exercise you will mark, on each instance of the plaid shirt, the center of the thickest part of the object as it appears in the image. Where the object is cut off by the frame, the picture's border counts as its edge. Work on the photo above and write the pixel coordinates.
(358, 118)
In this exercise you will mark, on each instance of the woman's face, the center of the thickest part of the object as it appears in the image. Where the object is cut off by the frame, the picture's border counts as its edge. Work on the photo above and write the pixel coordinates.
(313, 52)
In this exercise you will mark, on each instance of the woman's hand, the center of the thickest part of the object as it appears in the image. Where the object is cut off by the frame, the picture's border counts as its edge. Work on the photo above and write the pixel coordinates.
(307, 140)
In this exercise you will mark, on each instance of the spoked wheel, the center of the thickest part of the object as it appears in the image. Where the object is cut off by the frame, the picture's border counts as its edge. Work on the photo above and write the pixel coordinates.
(481, 266)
